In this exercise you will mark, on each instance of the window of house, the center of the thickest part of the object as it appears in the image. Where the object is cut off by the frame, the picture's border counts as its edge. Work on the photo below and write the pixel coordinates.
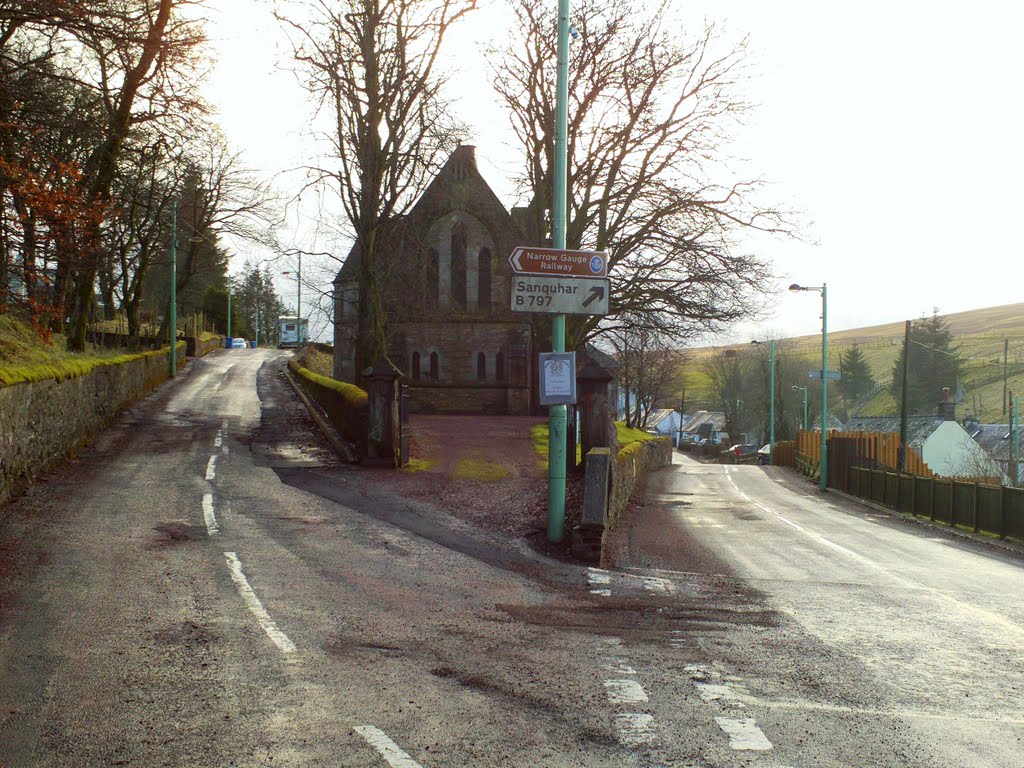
(499, 367)
(484, 279)
(434, 366)
(433, 278)
(481, 366)
(416, 366)
(459, 265)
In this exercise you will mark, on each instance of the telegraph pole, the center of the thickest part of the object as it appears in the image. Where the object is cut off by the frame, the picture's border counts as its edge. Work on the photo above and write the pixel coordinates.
(172, 320)
(903, 400)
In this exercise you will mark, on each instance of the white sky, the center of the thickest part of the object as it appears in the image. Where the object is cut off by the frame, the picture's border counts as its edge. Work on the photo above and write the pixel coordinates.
(894, 127)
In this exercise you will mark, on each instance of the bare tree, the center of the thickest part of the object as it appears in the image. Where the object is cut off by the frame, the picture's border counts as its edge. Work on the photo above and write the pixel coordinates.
(647, 364)
(648, 115)
(373, 64)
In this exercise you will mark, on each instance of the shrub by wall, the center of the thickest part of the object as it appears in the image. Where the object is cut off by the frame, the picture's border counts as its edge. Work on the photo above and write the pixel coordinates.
(346, 405)
(48, 412)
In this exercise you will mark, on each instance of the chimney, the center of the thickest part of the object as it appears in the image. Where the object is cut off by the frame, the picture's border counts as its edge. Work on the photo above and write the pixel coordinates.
(947, 408)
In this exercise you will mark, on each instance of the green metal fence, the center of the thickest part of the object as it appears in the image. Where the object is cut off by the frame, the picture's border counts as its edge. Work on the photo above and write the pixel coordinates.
(979, 507)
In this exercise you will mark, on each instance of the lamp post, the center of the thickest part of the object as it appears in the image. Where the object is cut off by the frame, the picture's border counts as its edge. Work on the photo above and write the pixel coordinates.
(771, 400)
(228, 340)
(172, 320)
(823, 289)
(298, 301)
(804, 389)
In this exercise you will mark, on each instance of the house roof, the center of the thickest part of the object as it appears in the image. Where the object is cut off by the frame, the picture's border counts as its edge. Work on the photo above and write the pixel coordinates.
(994, 438)
(657, 416)
(919, 428)
(695, 422)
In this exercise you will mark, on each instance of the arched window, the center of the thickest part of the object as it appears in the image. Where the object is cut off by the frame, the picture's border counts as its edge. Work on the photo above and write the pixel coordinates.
(483, 300)
(459, 265)
(416, 366)
(434, 367)
(499, 367)
(481, 366)
(433, 278)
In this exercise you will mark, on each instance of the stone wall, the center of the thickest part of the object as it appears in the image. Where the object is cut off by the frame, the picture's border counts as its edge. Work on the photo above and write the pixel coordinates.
(631, 463)
(346, 405)
(43, 422)
(199, 347)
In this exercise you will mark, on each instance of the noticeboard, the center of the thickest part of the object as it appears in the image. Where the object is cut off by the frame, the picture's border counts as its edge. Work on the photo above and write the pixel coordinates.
(557, 378)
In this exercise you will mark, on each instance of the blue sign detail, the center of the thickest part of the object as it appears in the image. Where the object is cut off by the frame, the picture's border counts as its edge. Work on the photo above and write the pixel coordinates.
(596, 264)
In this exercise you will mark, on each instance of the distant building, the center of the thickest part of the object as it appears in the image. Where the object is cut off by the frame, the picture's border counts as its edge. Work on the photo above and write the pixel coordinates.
(945, 446)
(995, 439)
(705, 425)
(665, 422)
(445, 280)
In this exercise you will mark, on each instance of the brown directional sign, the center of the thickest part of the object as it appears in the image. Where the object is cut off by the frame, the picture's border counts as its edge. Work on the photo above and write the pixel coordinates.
(555, 262)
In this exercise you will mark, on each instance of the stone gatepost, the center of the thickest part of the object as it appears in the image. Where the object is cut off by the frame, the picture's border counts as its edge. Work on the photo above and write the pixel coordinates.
(592, 398)
(384, 438)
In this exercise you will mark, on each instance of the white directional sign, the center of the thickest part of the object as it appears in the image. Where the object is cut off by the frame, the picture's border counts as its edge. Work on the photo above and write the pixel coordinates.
(560, 295)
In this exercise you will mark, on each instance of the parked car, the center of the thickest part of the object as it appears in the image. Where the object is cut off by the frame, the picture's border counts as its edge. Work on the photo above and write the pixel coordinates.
(764, 453)
(237, 343)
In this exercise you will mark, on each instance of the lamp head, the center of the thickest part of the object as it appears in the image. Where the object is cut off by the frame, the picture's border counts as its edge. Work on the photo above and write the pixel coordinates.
(796, 287)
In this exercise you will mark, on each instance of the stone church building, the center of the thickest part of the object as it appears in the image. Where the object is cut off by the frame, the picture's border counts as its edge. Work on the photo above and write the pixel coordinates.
(445, 280)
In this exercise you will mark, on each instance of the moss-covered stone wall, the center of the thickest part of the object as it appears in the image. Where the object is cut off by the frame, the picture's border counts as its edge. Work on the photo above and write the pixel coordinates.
(46, 418)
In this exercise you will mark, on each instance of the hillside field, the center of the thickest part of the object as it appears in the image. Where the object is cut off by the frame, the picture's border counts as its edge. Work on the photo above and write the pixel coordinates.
(979, 336)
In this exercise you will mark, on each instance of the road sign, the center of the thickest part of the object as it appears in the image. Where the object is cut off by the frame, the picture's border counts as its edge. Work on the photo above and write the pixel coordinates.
(554, 261)
(831, 375)
(559, 295)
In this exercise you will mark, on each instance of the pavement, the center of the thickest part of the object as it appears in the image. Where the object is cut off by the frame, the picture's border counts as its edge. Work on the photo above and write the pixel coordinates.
(208, 584)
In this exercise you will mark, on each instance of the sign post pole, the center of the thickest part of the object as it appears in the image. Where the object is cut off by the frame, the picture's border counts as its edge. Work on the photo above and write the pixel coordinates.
(557, 413)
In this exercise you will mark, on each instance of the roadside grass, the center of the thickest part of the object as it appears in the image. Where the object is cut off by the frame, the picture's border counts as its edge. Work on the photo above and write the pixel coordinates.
(539, 440)
(317, 361)
(477, 469)
(26, 356)
(419, 465)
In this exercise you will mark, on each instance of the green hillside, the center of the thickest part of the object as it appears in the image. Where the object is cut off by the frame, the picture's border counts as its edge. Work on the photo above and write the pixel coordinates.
(979, 337)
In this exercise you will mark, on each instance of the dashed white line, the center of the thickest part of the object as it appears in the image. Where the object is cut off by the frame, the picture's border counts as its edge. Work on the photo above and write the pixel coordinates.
(634, 728)
(743, 733)
(211, 468)
(279, 638)
(208, 516)
(395, 755)
(624, 691)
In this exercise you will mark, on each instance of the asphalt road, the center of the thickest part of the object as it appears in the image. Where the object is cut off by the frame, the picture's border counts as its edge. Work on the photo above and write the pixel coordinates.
(207, 586)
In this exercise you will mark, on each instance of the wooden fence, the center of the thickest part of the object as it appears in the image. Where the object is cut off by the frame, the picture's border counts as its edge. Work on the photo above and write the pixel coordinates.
(862, 449)
(979, 507)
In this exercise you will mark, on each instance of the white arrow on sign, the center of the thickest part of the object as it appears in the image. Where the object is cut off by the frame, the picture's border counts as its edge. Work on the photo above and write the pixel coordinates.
(560, 295)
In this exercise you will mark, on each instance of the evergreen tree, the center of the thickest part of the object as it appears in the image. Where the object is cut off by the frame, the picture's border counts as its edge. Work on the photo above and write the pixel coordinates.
(857, 378)
(934, 364)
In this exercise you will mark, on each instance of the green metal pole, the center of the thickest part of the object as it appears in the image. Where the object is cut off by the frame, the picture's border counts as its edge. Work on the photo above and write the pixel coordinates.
(229, 314)
(771, 407)
(298, 300)
(805, 408)
(172, 320)
(557, 413)
(824, 387)
(1017, 440)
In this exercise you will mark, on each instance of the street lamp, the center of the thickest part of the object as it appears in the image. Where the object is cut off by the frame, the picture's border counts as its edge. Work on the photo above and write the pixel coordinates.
(823, 289)
(298, 300)
(771, 401)
(804, 389)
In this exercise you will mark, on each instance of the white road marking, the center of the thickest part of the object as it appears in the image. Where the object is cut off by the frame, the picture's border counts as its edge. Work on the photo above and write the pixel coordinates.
(712, 692)
(744, 734)
(816, 536)
(395, 755)
(211, 468)
(601, 592)
(279, 638)
(596, 576)
(617, 667)
(624, 691)
(208, 516)
(634, 728)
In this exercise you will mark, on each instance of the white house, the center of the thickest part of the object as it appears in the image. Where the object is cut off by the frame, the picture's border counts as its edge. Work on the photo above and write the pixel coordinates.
(946, 447)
